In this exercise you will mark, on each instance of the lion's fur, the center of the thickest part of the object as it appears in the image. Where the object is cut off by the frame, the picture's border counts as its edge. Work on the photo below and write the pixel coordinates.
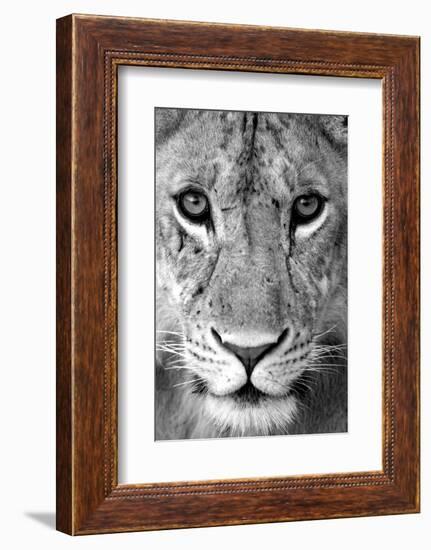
(248, 276)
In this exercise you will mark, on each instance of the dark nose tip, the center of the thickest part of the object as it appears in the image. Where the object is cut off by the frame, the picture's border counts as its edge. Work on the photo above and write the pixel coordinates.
(249, 356)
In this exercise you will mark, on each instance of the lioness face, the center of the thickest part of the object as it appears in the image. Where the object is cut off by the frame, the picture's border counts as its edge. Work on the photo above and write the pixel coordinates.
(251, 255)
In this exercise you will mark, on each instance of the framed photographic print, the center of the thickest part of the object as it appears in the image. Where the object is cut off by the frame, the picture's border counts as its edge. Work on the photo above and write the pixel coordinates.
(237, 274)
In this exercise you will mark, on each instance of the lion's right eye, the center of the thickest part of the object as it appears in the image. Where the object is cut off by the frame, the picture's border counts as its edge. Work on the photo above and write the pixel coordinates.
(194, 205)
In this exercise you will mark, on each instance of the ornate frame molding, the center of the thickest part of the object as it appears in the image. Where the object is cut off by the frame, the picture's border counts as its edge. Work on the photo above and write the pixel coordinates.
(90, 49)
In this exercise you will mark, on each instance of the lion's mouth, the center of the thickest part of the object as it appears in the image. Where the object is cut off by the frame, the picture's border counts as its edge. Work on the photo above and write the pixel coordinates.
(246, 394)
(250, 395)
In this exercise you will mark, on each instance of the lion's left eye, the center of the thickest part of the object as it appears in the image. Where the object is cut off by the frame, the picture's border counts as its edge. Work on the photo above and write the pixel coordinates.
(306, 208)
(193, 205)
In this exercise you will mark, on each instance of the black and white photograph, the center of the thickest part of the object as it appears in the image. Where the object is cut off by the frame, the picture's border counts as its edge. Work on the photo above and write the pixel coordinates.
(251, 273)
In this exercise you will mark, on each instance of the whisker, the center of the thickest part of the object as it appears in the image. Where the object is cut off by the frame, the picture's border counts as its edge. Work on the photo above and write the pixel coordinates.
(163, 347)
(175, 361)
(326, 354)
(325, 365)
(313, 361)
(168, 345)
(327, 351)
(188, 382)
(173, 352)
(330, 346)
(304, 385)
(329, 356)
(183, 367)
(331, 329)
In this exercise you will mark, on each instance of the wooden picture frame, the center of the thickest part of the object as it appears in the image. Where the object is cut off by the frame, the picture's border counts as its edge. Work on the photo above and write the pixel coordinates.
(89, 52)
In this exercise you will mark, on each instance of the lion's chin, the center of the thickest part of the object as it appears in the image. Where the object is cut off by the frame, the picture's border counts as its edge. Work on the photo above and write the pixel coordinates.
(238, 417)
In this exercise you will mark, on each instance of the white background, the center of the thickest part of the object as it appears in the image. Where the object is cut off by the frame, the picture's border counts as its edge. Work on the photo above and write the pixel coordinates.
(141, 458)
(27, 274)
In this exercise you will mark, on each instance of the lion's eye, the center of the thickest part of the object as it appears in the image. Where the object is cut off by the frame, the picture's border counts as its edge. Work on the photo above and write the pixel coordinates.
(306, 208)
(193, 205)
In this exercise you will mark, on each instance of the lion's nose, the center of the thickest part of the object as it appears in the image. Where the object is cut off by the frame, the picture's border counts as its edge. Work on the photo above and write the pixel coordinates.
(249, 356)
